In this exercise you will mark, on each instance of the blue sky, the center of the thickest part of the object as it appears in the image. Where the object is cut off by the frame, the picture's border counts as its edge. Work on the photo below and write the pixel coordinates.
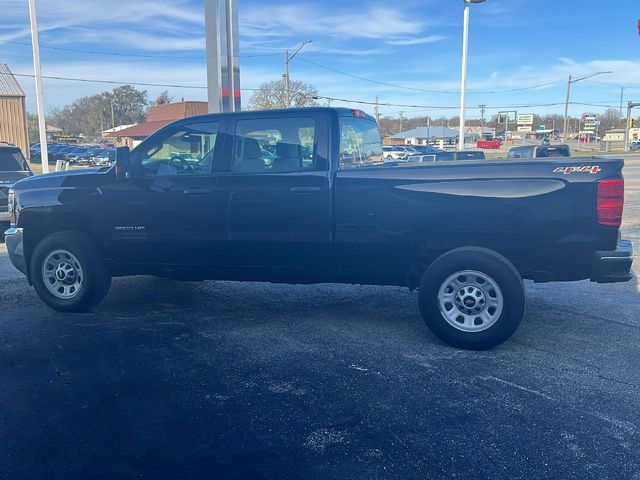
(514, 44)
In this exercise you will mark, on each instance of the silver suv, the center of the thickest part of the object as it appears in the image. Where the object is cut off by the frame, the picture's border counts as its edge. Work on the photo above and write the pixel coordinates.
(397, 152)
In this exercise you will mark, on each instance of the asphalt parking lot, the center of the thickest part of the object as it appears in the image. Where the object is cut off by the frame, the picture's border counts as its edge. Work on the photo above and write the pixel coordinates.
(258, 381)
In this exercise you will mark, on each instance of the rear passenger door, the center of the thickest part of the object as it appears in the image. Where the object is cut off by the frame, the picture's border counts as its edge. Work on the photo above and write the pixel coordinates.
(277, 188)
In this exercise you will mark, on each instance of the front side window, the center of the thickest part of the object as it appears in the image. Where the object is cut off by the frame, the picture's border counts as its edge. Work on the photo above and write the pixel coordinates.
(185, 150)
(272, 145)
(359, 143)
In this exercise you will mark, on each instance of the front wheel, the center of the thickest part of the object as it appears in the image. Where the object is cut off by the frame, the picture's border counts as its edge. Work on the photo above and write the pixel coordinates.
(67, 273)
(472, 298)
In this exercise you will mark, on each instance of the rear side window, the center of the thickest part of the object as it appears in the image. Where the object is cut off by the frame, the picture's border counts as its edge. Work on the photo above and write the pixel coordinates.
(11, 160)
(562, 151)
(271, 145)
(359, 143)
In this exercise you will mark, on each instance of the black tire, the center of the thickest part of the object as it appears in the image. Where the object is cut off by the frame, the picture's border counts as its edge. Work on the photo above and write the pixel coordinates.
(96, 279)
(489, 263)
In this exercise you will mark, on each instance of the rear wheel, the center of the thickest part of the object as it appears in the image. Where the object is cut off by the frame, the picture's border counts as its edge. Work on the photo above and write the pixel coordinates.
(67, 273)
(472, 298)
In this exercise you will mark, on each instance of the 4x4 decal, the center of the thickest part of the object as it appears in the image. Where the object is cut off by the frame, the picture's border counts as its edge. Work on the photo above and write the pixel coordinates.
(592, 169)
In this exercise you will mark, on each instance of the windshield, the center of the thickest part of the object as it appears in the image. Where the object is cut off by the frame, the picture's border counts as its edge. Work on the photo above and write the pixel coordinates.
(359, 143)
(11, 160)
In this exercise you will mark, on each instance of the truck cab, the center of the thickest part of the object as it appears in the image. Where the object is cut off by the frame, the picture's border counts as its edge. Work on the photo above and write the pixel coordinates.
(539, 151)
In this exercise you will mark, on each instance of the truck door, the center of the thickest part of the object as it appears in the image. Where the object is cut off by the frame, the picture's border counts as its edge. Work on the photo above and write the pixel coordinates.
(278, 193)
(170, 212)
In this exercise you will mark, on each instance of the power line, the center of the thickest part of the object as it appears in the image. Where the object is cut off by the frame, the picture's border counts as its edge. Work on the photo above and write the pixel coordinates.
(442, 107)
(134, 55)
(113, 82)
(405, 87)
(337, 99)
(626, 87)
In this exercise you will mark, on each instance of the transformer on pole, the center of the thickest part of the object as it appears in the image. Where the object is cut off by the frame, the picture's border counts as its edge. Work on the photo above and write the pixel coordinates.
(223, 61)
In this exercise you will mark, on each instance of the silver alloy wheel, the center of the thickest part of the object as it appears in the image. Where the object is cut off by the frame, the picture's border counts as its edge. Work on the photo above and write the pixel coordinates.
(470, 301)
(62, 274)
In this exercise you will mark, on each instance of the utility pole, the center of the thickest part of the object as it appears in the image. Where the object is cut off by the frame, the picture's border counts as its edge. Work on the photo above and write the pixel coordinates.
(287, 59)
(482, 108)
(566, 102)
(621, 98)
(377, 111)
(401, 121)
(286, 78)
(39, 96)
(113, 117)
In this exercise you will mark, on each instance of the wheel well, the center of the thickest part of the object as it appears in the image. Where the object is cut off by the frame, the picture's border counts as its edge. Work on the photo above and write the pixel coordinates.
(417, 269)
(38, 226)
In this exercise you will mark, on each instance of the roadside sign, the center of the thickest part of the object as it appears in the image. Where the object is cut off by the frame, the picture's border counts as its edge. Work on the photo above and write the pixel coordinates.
(525, 128)
(525, 119)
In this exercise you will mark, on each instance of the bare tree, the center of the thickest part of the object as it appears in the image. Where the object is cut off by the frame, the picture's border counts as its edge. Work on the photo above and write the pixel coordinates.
(272, 95)
(163, 98)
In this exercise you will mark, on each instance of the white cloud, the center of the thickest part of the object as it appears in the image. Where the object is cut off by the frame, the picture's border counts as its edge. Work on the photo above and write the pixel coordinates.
(417, 41)
(309, 20)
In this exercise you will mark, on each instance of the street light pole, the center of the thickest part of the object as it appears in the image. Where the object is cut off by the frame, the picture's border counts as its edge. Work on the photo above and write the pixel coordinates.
(566, 102)
(566, 111)
(463, 81)
(287, 59)
(44, 152)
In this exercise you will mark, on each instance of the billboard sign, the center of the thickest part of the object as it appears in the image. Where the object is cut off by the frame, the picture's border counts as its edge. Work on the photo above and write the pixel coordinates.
(525, 119)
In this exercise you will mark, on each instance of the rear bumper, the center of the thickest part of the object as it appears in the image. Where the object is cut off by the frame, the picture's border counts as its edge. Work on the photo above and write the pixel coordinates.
(613, 266)
(15, 247)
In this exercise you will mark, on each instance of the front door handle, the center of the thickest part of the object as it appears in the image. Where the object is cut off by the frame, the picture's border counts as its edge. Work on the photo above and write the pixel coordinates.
(196, 191)
(305, 189)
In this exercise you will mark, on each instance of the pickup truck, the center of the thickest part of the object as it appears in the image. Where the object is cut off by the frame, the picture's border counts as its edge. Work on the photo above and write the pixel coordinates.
(200, 199)
(539, 151)
(13, 167)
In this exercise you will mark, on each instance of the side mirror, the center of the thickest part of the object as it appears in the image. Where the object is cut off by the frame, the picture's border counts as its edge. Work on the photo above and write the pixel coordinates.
(123, 162)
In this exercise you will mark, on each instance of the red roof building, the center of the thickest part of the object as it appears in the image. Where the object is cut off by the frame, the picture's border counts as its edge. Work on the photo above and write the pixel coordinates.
(158, 117)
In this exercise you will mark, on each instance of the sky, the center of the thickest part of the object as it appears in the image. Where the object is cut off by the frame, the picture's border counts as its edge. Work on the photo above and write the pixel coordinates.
(407, 53)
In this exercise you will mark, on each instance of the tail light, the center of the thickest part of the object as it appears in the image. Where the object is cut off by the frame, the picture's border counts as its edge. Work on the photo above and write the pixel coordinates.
(610, 202)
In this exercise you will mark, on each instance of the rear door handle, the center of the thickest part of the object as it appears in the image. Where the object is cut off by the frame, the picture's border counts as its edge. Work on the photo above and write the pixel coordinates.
(305, 189)
(196, 191)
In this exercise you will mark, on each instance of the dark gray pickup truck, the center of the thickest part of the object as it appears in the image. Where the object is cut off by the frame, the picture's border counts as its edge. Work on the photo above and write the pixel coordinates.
(304, 196)
(13, 167)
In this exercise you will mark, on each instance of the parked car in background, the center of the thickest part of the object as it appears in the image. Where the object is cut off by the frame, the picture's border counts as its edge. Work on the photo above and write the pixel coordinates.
(539, 151)
(61, 153)
(103, 157)
(442, 156)
(394, 152)
(635, 146)
(52, 149)
(13, 167)
(426, 149)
